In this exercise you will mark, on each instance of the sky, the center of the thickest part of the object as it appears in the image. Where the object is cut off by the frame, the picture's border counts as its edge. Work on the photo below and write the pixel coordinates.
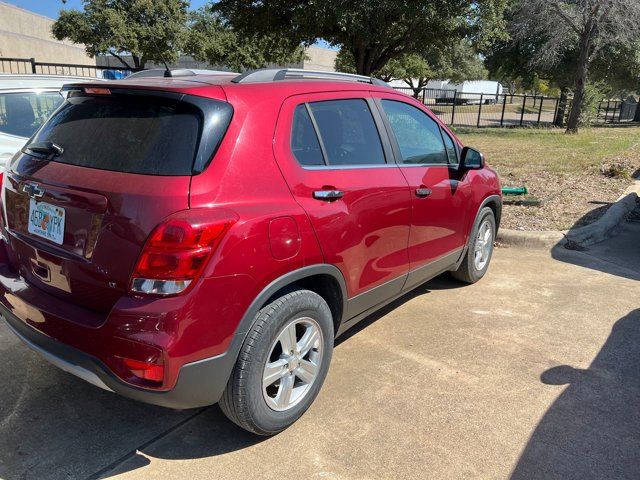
(50, 8)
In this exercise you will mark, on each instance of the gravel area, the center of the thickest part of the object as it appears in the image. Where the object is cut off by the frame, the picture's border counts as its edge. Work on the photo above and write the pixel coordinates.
(568, 201)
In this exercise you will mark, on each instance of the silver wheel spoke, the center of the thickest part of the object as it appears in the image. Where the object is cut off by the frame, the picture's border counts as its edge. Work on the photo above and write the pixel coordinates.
(283, 398)
(274, 371)
(306, 371)
(288, 339)
(308, 340)
(487, 235)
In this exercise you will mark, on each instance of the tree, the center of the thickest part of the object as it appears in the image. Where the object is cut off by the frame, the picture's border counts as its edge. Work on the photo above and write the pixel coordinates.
(585, 27)
(149, 30)
(372, 32)
(211, 39)
(456, 62)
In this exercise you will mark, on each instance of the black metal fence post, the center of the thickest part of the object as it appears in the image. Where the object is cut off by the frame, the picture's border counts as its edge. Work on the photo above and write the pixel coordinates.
(606, 112)
(540, 111)
(621, 108)
(504, 105)
(555, 111)
(479, 111)
(524, 104)
(453, 108)
(33, 64)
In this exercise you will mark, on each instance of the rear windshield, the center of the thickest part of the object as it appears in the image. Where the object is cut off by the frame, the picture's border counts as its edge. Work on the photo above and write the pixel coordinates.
(145, 134)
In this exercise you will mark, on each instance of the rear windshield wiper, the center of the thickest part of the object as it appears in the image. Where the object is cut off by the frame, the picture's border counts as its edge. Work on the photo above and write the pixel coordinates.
(48, 150)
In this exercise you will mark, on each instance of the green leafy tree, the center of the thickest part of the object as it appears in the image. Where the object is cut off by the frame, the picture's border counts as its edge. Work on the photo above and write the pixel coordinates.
(372, 32)
(456, 62)
(585, 29)
(211, 39)
(148, 30)
(531, 57)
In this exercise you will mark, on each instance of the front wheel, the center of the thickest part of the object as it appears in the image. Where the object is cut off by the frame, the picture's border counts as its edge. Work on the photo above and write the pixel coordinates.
(480, 248)
(282, 364)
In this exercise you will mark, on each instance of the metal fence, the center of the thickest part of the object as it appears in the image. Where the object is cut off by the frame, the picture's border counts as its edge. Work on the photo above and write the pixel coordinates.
(617, 111)
(470, 109)
(459, 108)
(30, 66)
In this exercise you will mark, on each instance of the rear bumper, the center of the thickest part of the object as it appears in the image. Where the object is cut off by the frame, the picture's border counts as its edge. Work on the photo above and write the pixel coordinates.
(199, 383)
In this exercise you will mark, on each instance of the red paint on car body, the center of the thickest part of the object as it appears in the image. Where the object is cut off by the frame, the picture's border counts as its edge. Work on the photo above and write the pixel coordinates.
(375, 234)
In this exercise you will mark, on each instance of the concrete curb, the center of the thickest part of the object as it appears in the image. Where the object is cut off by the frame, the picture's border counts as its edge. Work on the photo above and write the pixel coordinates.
(520, 238)
(605, 227)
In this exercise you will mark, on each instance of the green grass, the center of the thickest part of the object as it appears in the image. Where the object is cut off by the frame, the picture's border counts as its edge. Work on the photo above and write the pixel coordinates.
(521, 150)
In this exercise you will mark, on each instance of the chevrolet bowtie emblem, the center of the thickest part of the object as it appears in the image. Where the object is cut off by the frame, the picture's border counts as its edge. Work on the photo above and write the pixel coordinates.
(33, 190)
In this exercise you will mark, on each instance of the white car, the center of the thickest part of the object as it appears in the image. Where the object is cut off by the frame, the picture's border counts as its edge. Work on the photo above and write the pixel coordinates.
(26, 101)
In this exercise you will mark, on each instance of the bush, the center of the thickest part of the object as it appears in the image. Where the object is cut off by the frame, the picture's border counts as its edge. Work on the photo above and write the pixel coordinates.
(593, 94)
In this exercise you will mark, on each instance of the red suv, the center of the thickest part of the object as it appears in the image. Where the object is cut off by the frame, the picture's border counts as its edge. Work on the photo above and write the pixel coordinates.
(198, 239)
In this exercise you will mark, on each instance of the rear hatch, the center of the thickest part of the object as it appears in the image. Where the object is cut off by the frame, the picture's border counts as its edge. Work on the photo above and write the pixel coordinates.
(83, 195)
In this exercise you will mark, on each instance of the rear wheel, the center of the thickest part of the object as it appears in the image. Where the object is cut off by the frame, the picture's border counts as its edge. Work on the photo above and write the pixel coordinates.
(480, 248)
(282, 364)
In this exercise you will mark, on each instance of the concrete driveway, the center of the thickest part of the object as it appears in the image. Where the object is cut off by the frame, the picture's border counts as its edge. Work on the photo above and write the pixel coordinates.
(532, 373)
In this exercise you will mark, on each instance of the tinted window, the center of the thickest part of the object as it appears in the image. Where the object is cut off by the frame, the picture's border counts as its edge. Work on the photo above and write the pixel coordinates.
(304, 141)
(452, 151)
(418, 135)
(149, 135)
(348, 132)
(22, 114)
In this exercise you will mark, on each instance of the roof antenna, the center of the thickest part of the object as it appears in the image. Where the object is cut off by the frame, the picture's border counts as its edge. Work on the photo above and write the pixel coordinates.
(167, 71)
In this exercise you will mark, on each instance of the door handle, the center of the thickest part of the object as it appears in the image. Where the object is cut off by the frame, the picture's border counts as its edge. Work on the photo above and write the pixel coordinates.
(328, 195)
(423, 192)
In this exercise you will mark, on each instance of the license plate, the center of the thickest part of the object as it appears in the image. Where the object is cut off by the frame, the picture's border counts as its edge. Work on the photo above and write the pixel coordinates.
(46, 221)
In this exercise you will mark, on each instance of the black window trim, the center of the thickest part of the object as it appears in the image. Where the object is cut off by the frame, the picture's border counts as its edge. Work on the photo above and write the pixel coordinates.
(387, 149)
(394, 140)
(212, 112)
(443, 132)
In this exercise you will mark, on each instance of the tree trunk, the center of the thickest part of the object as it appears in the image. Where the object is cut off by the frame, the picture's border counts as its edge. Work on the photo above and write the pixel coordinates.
(364, 63)
(581, 80)
(138, 62)
(562, 108)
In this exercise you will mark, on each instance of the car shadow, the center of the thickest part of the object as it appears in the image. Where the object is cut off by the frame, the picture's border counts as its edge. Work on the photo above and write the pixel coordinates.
(53, 425)
(591, 430)
(442, 282)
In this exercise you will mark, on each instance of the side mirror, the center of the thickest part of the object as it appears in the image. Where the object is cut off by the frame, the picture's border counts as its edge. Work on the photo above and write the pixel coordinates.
(471, 159)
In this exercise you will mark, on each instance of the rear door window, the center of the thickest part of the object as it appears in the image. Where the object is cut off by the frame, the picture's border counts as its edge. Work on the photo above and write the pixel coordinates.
(348, 132)
(134, 134)
(22, 113)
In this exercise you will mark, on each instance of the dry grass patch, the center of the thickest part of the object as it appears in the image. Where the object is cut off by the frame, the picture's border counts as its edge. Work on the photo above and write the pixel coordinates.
(575, 176)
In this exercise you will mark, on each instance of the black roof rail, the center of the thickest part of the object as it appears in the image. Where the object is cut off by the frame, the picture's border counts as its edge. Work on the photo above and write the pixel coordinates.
(276, 74)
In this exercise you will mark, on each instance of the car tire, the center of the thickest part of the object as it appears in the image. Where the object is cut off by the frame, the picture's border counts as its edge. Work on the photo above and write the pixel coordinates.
(265, 408)
(480, 248)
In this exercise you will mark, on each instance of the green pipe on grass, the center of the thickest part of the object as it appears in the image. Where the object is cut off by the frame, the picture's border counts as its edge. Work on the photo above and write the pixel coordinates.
(515, 191)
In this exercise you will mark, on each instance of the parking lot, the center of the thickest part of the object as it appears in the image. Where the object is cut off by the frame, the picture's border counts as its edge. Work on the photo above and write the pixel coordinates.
(531, 373)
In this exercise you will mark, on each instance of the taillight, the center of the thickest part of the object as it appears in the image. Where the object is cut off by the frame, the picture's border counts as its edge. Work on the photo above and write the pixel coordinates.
(178, 250)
